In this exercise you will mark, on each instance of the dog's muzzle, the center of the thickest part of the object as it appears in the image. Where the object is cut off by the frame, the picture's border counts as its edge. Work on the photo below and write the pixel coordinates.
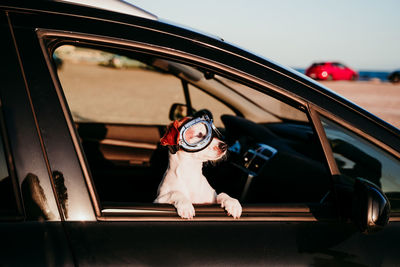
(205, 131)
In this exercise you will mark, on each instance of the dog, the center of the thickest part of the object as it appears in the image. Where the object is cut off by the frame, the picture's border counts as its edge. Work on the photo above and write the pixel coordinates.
(183, 183)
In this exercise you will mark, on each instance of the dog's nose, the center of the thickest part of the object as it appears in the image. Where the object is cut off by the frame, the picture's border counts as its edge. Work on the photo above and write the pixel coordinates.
(222, 146)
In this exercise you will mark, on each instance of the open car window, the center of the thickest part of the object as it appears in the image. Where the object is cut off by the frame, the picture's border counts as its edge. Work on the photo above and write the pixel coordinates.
(121, 103)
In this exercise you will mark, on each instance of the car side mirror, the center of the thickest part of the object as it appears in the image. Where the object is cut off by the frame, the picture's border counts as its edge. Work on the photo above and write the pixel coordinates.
(178, 111)
(371, 207)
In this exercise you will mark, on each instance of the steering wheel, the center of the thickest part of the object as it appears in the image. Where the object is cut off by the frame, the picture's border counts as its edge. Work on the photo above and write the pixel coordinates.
(287, 172)
(238, 127)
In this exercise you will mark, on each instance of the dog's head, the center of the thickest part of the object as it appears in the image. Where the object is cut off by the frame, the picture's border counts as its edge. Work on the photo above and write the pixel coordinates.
(213, 149)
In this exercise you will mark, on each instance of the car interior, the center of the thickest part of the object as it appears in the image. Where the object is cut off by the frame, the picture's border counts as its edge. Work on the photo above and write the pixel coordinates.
(122, 102)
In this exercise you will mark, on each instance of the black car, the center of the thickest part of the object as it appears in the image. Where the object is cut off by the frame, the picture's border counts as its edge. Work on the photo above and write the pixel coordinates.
(318, 177)
(394, 76)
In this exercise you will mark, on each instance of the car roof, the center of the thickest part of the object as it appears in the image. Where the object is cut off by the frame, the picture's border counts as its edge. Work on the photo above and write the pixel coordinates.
(326, 62)
(117, 6)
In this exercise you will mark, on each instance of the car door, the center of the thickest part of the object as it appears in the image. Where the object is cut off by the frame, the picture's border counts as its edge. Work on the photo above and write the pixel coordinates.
(125, 233)
(342, 72)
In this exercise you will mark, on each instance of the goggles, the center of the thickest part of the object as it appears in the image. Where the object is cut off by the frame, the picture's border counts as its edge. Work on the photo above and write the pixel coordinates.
(197, 134)
(190, 134)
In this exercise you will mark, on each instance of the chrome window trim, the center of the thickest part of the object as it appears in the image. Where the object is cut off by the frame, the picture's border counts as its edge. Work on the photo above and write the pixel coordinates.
(164, 212)
(44, 33)
(266, 218)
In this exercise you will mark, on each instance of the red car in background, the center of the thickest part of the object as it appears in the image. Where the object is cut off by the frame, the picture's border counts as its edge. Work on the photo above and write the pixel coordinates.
(331, 71)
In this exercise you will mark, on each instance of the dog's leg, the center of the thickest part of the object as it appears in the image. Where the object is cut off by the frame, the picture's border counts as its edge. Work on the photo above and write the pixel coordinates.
(231, 205)
(183, 206)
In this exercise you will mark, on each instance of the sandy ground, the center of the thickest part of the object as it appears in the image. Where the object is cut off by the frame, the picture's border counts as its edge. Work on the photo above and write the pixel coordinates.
(379, 98)
(96, 88)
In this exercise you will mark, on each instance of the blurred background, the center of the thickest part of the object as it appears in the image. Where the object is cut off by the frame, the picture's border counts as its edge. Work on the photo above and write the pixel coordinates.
(362, 36)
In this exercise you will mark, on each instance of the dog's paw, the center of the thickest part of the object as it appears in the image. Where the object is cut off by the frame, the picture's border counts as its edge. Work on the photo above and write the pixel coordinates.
(231, 205)
(185, 209)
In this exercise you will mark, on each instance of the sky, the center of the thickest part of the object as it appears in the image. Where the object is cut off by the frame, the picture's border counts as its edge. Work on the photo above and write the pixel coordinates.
(363, 34)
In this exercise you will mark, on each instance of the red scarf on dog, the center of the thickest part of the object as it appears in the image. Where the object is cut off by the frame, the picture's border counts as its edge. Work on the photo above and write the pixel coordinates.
(171, 136)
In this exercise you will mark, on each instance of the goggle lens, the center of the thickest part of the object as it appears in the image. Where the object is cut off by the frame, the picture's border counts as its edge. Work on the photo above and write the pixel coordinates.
(196, 133)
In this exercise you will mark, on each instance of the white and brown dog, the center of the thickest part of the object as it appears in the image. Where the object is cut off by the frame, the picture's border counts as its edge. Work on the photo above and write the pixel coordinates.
(184, 183)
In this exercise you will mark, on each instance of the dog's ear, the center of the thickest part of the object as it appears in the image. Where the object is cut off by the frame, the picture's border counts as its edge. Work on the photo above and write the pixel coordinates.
(171, 136)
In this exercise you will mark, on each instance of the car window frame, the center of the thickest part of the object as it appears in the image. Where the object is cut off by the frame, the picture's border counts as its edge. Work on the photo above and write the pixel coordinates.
(355, 130)
(50, 39)
(317, 112)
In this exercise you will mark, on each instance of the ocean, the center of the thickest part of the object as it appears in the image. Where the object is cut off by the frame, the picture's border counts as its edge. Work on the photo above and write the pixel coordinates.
(364, 75)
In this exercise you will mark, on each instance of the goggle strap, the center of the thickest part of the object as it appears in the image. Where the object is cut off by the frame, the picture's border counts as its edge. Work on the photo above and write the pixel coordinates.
(218, 133)
(173, 149)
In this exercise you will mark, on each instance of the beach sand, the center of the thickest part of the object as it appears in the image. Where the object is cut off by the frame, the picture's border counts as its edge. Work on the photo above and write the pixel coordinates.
(380, 98)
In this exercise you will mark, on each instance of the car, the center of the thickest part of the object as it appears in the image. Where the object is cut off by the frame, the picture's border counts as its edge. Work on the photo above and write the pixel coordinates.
(330, 71)
(394, 77)
(317, 176)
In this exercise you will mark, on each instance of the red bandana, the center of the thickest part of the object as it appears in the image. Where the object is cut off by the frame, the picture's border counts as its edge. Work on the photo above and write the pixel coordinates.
(171, 136)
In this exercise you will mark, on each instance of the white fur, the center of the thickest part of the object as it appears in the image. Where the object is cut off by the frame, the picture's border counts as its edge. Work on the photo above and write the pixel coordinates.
(184, 183)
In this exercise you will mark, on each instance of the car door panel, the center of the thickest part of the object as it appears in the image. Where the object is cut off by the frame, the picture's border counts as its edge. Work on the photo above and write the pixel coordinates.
(30, 243)
(128, 145)
(231, 243)
(33, 238)
(122, 157)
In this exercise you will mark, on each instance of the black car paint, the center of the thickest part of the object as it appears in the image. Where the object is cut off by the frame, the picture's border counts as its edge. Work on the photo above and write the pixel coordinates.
(37, 129)
(231, 244)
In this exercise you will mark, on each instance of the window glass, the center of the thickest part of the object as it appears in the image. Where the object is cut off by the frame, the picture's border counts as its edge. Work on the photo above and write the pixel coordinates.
(200, 99)
(99, 87)
(357, 157)
(121, 103)
(277, 109)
